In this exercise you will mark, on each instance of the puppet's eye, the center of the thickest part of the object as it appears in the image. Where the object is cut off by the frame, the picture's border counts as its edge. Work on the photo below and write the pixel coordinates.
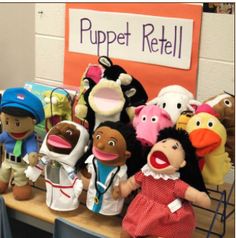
(154, 119)
(198, 123)
(69, 132)
(54, 100)
(178, 105)
(210, 123)
(17, 123)
(144, 118)
(111, 143)
(163, 141)
(164, 105)
(47, 100)
(98, 137)
(6, 122)
(174, 147)
(227, 103)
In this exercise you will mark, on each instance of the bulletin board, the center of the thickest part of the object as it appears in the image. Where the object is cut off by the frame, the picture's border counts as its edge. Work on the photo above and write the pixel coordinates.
(152, 76)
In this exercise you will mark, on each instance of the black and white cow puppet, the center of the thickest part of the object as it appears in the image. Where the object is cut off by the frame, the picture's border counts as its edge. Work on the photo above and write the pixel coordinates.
(112, 97)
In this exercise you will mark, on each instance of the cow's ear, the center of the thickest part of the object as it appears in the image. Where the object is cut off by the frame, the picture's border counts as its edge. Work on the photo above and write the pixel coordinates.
(105, 62)
(130, 93)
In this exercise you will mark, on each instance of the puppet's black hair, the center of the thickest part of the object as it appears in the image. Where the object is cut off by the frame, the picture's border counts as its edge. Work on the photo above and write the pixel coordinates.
(136, 161)
(190, 173)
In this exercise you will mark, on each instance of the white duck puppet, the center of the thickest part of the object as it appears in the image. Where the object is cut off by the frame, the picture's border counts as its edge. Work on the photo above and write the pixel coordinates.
(208, 136)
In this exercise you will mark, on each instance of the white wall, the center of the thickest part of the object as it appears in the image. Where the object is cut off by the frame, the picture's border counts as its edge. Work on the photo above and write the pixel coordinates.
(216, 63)
(17, 24)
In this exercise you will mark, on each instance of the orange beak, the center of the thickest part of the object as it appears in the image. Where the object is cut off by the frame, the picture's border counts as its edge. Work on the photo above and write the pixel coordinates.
(205, 141)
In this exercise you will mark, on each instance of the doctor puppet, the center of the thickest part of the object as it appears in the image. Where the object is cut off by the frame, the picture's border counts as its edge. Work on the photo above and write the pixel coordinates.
(113, 149)
(63, 145)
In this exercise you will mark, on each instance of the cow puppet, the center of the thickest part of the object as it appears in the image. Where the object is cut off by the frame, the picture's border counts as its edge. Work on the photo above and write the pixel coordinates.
(175, 99)
(112, 97)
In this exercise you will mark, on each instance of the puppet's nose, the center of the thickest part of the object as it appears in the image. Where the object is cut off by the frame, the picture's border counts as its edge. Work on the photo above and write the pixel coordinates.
(100, 145)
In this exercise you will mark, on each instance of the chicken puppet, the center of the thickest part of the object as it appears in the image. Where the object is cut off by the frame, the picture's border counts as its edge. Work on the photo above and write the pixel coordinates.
(63, 145)
(169, 182)
(224, 105)
(20, 112)
(208, 136)
(113, 145)
(175, 99)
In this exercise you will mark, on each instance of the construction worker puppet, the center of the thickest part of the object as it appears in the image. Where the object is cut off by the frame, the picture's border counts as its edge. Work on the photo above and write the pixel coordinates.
(20, 112)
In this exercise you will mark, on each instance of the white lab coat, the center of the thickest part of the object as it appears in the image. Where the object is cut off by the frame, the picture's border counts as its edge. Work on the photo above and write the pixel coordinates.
(109, 205)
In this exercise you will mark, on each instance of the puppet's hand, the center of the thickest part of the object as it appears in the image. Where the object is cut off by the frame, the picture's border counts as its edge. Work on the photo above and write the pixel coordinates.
(203, 200)
(78, 187)
(81, 111)
(32, 173)
(33, 158)
(116, 194)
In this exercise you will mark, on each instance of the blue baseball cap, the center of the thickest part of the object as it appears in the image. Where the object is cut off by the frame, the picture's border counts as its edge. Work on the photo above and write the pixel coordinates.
(21, 98)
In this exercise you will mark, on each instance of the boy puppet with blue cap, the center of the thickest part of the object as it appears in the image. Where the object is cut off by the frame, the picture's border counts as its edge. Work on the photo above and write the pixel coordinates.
(20, 112)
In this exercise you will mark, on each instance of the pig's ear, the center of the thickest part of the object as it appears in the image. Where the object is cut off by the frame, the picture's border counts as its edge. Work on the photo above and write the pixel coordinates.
(165, 114)
(138, 109)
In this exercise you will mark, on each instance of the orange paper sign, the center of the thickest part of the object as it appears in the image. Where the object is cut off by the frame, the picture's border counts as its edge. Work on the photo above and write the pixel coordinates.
(152, 76)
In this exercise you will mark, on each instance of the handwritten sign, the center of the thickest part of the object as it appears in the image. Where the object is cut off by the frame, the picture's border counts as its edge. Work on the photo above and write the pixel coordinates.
(148, 39)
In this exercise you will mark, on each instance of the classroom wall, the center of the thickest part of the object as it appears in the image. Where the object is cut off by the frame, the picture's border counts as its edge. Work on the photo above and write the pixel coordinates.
(17, 37)
(216, 62)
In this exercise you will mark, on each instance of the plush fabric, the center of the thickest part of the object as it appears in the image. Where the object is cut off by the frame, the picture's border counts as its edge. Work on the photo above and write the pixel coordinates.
(224, 105)
(21, 98)
(111, 98)
(57, 108)
(175, 99)
(162, 208)
(208, 136)
(63, 145)
(148, 121)
(20, 111)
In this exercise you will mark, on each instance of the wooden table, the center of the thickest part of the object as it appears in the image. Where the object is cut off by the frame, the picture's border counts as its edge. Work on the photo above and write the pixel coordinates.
(36, 213)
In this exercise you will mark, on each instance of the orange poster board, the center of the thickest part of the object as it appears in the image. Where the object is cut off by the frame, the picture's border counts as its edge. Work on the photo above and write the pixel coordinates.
(152, 76)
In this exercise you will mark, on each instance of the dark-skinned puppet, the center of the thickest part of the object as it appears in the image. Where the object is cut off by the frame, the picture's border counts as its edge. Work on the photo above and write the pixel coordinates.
(224, 105)
(113, 97)
(169, 182)
(20, 112)
(63, 145)
(113, 145)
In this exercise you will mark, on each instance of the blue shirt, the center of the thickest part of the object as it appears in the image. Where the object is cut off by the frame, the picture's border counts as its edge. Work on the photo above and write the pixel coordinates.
(29, 144)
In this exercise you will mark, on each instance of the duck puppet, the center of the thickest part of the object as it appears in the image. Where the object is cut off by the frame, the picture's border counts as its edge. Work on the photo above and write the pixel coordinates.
(208, 136)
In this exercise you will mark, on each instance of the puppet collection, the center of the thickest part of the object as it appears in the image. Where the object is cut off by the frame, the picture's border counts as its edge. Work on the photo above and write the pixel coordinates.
(163, 151)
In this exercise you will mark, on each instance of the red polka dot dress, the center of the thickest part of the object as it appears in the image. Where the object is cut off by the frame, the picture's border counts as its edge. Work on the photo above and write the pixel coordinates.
(149, 214)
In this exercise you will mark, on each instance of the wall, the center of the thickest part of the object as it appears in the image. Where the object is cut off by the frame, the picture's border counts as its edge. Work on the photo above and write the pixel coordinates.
(16, 44)
(216, 63)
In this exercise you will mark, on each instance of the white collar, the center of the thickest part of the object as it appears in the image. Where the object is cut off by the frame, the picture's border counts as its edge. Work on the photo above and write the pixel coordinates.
(147, 171)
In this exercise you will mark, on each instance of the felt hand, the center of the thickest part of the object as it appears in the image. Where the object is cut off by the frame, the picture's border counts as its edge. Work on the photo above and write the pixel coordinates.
(78, 187)
(33, 158)
(116, 193)
(81, 111)
(33, 173)
(203, 200)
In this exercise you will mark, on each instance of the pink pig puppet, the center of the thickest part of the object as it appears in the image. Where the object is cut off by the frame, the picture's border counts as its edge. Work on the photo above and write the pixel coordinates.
(148, 121)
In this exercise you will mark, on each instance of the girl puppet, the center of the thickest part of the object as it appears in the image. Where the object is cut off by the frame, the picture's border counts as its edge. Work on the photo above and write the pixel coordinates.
(113, 145)
(162, 208)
